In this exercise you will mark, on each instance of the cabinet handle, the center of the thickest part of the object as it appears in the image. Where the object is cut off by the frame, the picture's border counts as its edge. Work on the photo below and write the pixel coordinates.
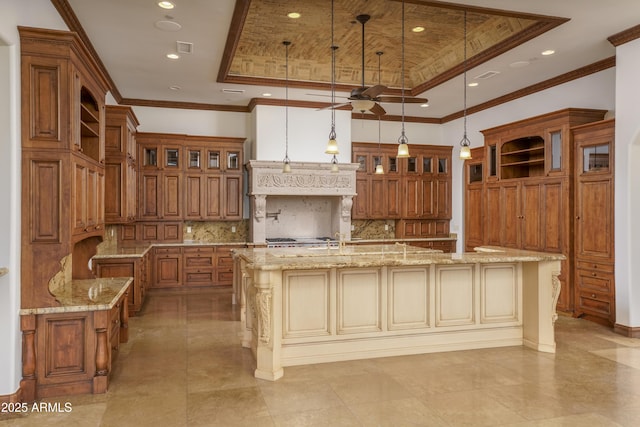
(595, 265)
(577, 216)
(594, 274)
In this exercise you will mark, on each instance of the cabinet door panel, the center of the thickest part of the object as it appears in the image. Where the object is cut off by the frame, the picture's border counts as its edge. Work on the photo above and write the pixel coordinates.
(172, 196)
(213, 196)
(594, 211)
(150, 196)
(233, 197)
(493, 223)
(531, 221)
(553, 212)
(393, 197)
(474, 216)
(360, 201)
(509, 215)
(378, 199)
(193, 204)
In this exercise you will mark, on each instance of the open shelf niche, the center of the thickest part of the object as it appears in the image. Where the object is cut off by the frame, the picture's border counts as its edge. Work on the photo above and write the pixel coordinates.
(522, 157)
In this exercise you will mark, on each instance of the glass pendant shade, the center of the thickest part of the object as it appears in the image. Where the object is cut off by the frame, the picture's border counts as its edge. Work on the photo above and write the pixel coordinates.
(286, 166)
(334, 164)
(362, 104)
(379, 170)
(465, 152)
(332, 147)
(403, 150)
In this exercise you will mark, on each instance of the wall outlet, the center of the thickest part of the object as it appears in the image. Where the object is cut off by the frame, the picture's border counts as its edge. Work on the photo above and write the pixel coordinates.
(233, 228)
(386, 227)
(188, 229)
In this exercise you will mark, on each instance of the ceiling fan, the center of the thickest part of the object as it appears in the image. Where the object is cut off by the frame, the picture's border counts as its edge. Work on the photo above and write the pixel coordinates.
(368, 99)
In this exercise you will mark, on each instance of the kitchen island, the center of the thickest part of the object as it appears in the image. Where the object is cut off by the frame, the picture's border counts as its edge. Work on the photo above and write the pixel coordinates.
(303, 306)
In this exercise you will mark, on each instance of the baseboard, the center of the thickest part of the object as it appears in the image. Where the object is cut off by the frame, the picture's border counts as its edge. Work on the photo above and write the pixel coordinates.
(627, 331)
(10, 398)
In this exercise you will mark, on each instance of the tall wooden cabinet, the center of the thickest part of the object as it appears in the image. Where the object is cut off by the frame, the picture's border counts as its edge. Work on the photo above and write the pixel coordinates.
(594, 221)
(120, 165)
(522, 186)
(63, 174)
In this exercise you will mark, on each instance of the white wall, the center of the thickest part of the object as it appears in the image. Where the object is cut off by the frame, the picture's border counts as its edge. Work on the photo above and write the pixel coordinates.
(308, 134)
(34, 13)
(627, 184)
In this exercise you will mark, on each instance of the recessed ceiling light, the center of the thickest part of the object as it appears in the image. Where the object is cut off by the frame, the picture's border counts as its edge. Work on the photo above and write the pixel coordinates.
(166, 4)
(168, 26)
(425, 105)
(173, 56)
(473, 84)
(267, 94)
(548, 52)
(293, 15)
(417, 29)
(175, 87)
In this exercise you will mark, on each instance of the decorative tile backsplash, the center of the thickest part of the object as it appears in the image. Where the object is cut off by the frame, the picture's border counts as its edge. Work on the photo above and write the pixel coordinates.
(216, 231)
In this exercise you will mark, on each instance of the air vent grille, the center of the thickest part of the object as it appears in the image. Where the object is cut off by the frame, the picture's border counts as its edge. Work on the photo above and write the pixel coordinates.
(237, 91)
(184, 47)
(487, 75)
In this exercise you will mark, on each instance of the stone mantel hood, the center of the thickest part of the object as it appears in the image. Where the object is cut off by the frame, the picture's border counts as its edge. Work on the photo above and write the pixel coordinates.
(305, 179)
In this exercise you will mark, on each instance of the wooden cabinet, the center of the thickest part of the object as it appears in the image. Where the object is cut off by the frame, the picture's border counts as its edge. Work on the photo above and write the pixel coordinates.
(191, 178)
(167, 267)
(63, 176)
(594, 221)
(199, 266)
(416, 188)
(66, 353)
(522, 196)
(474, 177)
(135, 267)
(120, 165)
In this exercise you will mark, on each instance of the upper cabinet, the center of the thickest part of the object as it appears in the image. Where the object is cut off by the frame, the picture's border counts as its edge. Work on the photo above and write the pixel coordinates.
(415, 190)
(63, 155)
(184, 177)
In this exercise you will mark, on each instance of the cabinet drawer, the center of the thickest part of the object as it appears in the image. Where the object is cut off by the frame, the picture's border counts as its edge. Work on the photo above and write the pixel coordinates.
(199, 250)
(595, 303)
(225, 261)
(225, 277)
(198, 260)
(167, 251)
(594, 280)
(589, 265)
(199, 278)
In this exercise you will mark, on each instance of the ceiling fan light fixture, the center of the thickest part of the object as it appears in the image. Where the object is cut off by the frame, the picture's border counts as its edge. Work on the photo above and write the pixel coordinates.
(362, 104)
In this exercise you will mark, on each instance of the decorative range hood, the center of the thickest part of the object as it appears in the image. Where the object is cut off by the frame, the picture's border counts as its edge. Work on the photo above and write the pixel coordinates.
(307, 181)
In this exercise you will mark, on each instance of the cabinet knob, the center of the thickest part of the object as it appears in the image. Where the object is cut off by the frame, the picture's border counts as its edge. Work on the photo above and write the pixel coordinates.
(594, 274)
(593, 295)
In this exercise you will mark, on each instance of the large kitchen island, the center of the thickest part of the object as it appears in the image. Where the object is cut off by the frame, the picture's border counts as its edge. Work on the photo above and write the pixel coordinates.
(311, 305)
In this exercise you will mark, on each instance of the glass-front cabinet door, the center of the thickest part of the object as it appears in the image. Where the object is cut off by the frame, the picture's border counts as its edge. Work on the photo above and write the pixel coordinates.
(213, 159)
(233, 160)
(595, 158)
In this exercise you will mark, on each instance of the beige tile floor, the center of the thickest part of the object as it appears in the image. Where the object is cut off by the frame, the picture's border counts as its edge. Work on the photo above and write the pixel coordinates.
(183, 366)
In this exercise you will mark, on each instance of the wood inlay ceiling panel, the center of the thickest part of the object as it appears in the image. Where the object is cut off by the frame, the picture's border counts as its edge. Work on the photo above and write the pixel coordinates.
(435, 54)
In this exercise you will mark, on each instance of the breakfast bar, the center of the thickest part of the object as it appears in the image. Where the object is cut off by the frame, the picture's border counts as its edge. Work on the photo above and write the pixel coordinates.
(312, 305)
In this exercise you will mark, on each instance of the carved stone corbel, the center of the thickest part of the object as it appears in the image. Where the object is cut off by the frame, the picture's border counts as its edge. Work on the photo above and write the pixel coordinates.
(263, 306)
(347, 203)
(259, 206)
(555, 294)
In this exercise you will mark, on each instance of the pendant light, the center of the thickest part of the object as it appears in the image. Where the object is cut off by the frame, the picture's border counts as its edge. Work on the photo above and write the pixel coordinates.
(379, 167)
(403, 148)
(465, 151)
(332, 147)
(286, 163)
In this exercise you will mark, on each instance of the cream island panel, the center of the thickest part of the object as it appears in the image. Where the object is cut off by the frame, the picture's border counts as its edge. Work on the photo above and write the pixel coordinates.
(301, 306)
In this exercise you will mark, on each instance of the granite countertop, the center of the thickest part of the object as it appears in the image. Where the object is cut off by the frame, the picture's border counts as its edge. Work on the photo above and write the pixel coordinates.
(141, 250)
(379, 255)
(85, 295)
(407, 240)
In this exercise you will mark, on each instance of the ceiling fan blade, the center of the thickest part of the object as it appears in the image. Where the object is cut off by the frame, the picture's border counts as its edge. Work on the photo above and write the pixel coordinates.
(334, 106)
(378, 110)
(398, 99)
(374, 91)
(325, 95)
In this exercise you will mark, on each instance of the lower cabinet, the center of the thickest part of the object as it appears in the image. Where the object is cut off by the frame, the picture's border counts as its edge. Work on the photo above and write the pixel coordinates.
(71, 353)
(201, 265)
(135, 267)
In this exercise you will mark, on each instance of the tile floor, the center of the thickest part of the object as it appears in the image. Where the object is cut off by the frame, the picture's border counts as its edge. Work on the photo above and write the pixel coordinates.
(183, 366)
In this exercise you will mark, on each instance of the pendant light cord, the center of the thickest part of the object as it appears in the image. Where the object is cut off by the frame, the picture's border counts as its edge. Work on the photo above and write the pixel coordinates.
(286, 43)
(464, 111)
(403, 139)
(332, 134)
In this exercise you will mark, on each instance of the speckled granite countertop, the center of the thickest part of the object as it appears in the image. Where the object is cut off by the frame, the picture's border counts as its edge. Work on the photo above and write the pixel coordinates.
(379, 255)
(86, 295)
(140, 251)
